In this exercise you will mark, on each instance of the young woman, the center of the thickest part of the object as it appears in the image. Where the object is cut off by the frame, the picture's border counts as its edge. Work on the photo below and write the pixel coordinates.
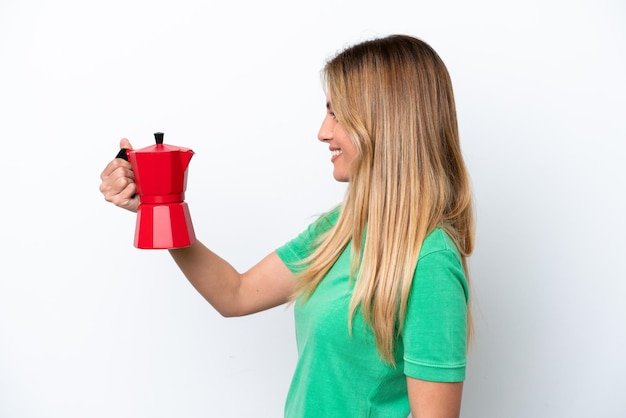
(379, 284)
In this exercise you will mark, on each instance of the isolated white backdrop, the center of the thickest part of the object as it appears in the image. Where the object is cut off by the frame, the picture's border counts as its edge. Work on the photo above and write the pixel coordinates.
(92, 327)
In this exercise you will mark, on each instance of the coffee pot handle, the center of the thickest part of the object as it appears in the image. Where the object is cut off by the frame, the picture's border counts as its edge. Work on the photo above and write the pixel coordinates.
(122, 154)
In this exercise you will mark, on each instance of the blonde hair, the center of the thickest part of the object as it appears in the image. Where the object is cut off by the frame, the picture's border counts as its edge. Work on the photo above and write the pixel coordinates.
(394, 98)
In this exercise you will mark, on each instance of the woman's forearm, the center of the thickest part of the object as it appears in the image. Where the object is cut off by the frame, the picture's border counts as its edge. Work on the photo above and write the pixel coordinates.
(266, 285)
(212, 276)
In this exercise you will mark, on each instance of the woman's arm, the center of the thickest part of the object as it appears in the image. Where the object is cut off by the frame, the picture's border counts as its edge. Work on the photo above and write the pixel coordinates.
(434, 399)
(266, 285)
(269, 283)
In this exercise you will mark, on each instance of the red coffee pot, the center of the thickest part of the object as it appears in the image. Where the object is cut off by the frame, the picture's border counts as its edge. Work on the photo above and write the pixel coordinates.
(163, 219)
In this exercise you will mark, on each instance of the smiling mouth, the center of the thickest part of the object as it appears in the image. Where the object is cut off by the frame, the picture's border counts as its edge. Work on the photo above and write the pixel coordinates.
(336, 152)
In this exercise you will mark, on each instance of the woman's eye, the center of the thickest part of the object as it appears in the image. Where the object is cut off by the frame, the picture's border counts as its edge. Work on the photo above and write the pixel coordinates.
(332, 114)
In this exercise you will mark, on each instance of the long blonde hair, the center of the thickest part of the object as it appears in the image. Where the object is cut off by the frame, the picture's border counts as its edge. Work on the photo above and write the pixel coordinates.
(394, 98)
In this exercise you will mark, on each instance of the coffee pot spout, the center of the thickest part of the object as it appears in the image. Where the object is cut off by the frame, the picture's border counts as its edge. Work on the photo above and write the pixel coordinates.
(185, 158)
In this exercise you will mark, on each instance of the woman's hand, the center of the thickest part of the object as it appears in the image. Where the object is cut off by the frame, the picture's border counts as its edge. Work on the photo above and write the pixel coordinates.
(118, 182)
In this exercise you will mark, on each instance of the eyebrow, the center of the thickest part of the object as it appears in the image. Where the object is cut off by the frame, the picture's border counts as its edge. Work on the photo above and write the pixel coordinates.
(328, 105)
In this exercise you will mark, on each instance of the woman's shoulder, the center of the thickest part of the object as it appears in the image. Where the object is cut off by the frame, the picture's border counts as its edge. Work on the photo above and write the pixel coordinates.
(325, 221)
(440, 265)
(439, 241)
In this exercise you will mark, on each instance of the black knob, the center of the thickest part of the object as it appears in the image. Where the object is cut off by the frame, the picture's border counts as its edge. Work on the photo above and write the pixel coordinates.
(158, 137)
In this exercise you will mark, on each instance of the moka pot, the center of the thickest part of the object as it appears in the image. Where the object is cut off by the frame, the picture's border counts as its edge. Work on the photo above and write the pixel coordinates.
(163, 219)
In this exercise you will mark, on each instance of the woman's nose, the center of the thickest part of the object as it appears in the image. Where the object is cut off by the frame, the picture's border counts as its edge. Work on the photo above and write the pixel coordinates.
(325, 132)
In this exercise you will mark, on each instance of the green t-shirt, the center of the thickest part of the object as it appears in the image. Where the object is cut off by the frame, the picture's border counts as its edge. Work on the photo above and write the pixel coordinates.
(342, 375)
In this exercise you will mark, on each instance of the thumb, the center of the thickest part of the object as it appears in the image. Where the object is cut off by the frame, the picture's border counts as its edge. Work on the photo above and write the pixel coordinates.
(125, 144)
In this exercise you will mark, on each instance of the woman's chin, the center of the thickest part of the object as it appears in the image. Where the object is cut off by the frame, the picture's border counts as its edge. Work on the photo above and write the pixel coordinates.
(341, 177)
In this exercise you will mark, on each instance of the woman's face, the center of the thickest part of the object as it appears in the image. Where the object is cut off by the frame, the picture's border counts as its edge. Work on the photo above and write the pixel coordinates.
(341, 147)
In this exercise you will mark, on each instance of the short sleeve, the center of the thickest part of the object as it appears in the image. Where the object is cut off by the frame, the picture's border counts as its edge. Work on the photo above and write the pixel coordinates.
(299, 248)
(434, 333)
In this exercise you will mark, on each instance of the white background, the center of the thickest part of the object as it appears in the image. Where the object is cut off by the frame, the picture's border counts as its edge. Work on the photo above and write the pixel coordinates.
(92, 327)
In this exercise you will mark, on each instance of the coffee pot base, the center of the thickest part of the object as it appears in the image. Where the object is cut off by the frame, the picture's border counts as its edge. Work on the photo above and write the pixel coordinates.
(164, 226)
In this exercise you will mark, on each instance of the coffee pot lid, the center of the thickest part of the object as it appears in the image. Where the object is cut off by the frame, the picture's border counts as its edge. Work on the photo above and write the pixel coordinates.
(160, 146)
